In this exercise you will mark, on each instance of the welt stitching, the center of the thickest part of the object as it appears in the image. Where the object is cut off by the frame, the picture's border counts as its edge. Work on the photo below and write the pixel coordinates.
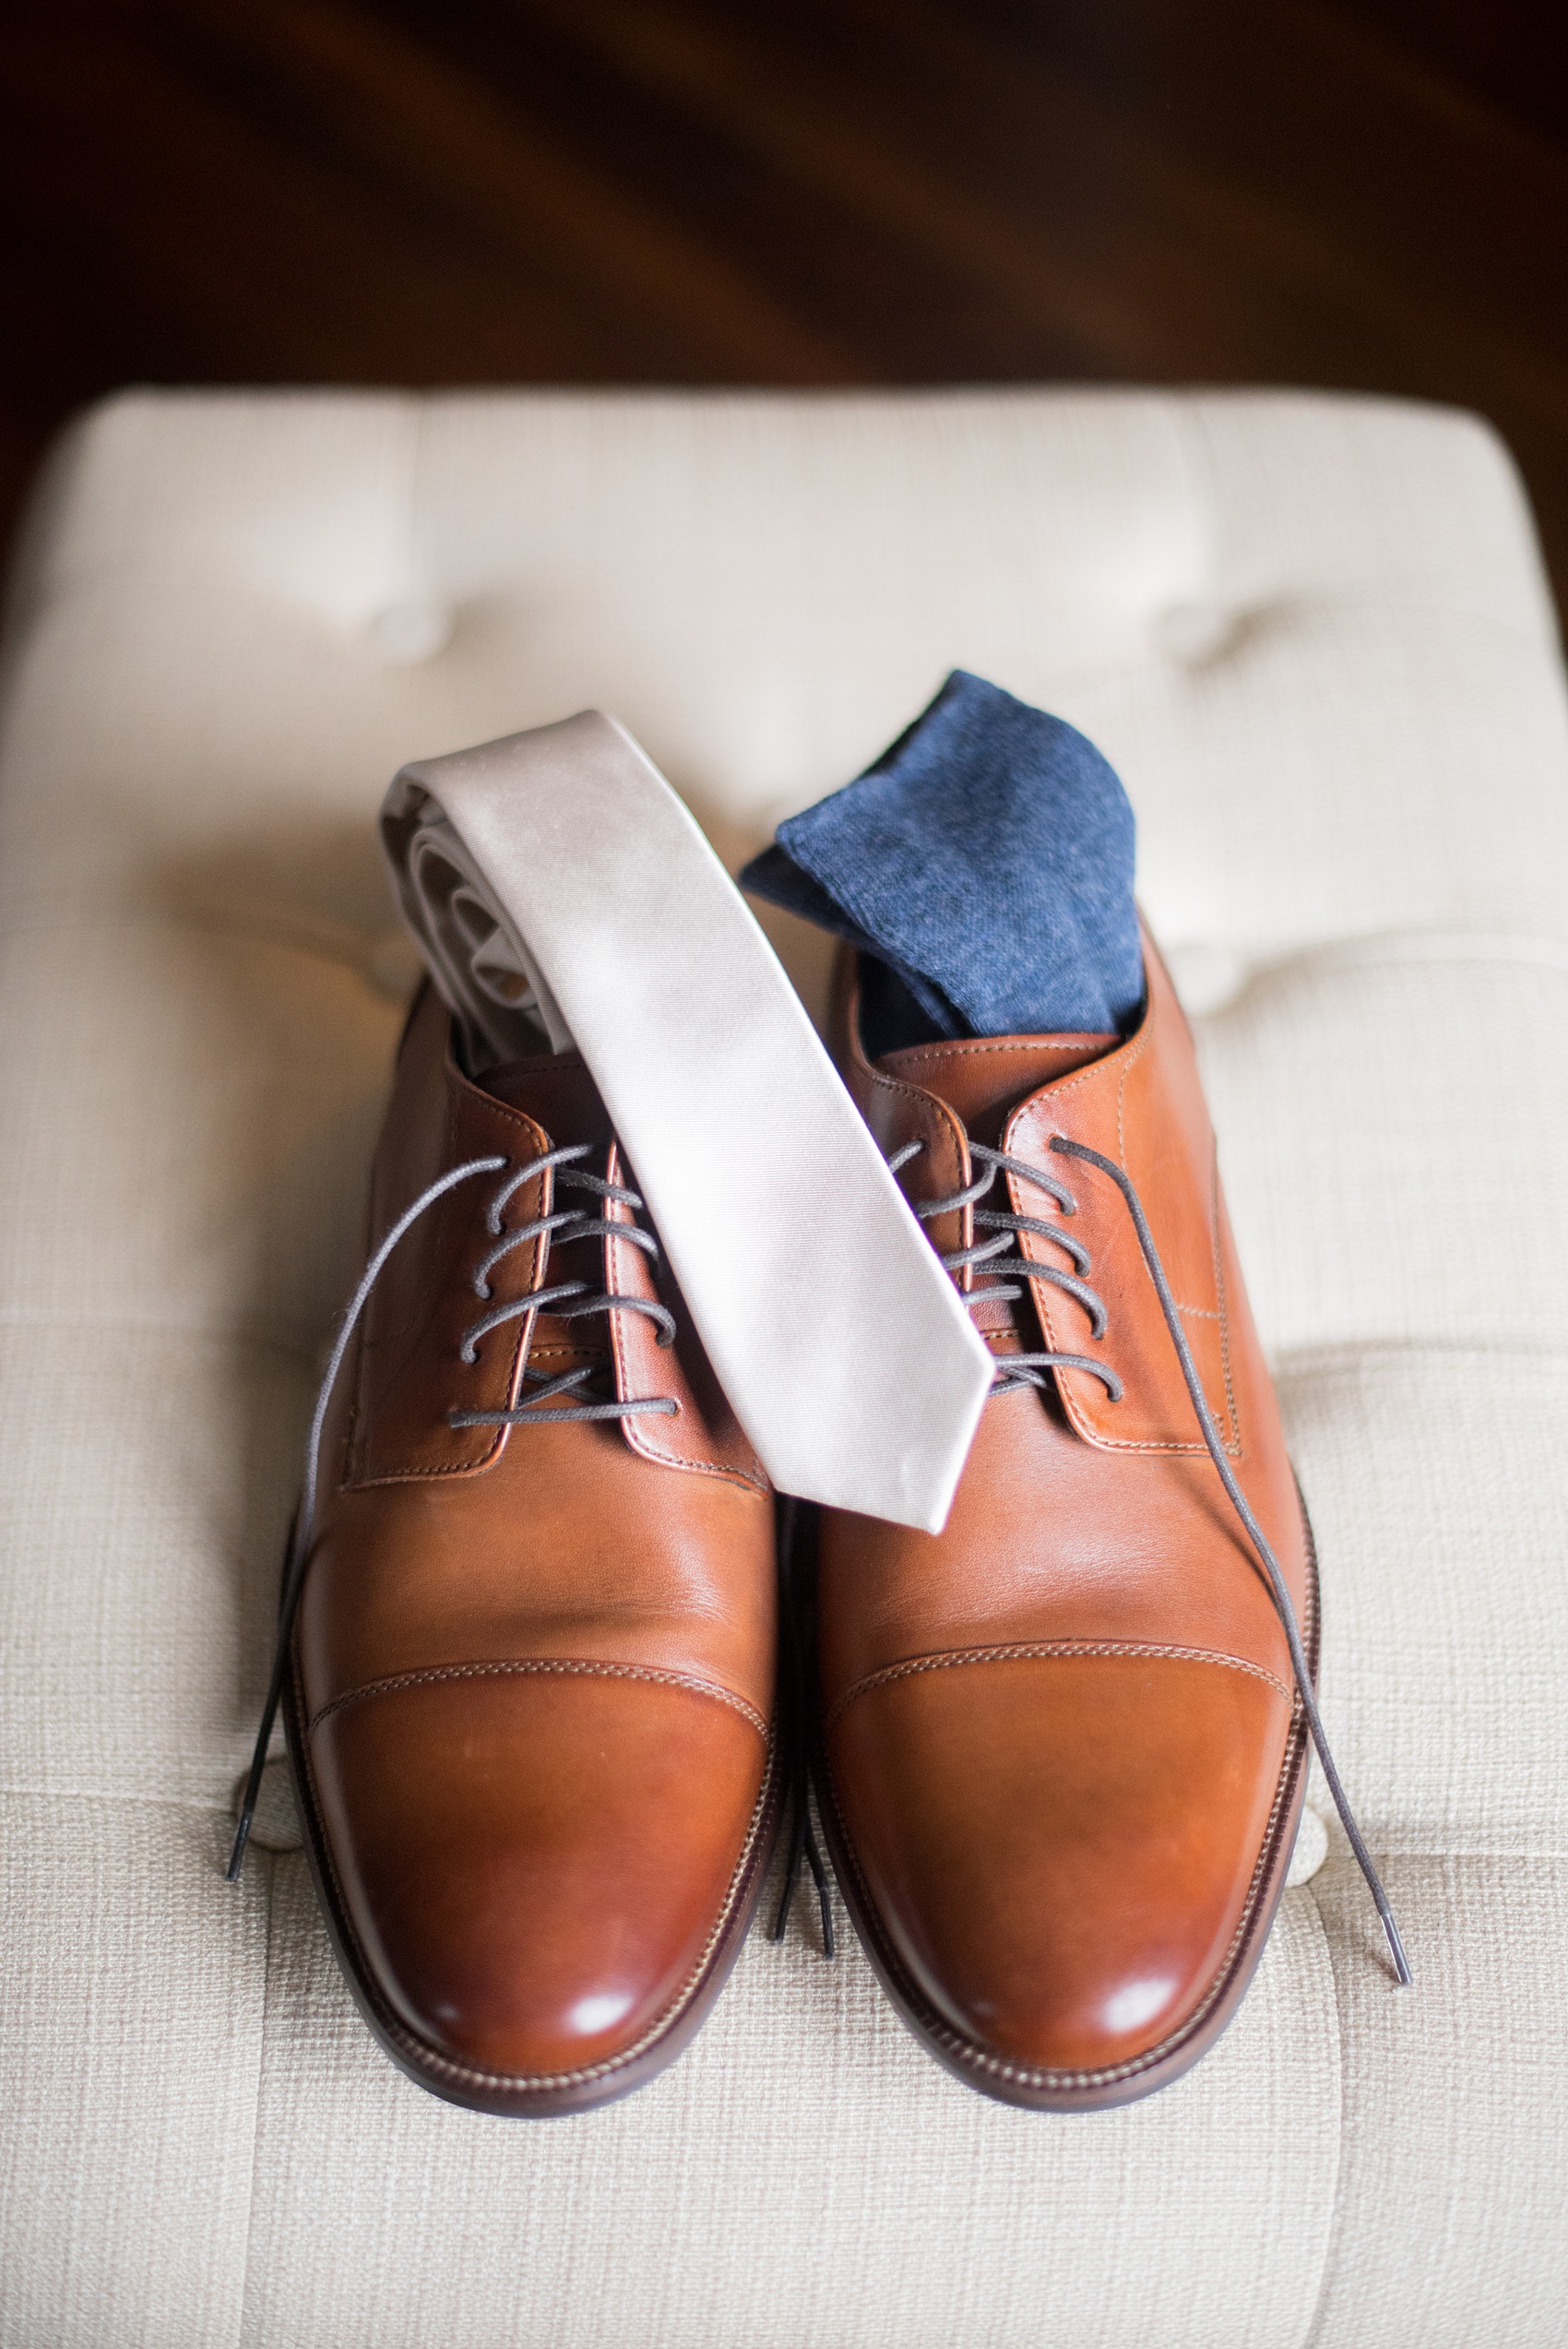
(565, 1667)
(946, 1051)
(1232, 1445)
(533, 2082)
(975, 2059)
(995, 2065)
(612, 1274)
(416, 1474)
(916, 1094)
(662, 2024)
(899, 1085)
(1098, 1067)
(1027, 1650)
(650, 1450)
(1128, 1053)
(527, 1322)
(648, 1445)
(1079, 1418)
(1127, 1066)
(1134, 1443)
(1075, 1409)
(945, 1117)
(617, 1334)
(1222, 1298)
(619, 1343)
(698, 1467)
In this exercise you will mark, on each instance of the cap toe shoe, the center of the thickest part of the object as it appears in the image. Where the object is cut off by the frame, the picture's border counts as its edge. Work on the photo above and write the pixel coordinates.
(531, 1698)
(1061, 1760)
(528, 1877)
(1060, 1846)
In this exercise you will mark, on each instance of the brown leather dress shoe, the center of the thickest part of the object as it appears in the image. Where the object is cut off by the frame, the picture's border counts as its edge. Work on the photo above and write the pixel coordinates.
(1062, 1748)
(530, 1692)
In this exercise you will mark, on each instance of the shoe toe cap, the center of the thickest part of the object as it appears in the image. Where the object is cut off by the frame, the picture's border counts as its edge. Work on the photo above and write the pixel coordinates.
(1060, 1850)
(535, 1865)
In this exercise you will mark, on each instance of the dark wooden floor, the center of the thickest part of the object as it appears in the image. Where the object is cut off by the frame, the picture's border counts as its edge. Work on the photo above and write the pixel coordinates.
(1362, 193)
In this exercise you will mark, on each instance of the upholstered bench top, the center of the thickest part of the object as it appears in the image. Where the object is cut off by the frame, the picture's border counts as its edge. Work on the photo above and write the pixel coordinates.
(1312, 636)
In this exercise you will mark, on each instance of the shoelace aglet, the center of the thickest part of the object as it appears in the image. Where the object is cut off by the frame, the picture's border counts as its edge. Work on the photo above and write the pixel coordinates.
(803, 1847)
(1395, 1946)
(242, 1837)
(792, 1870)
(252, 1793)
(264, 1734)
(825, 1900)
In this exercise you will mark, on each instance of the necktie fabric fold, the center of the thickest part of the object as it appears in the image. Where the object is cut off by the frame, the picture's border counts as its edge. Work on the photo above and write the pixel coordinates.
(563, 893)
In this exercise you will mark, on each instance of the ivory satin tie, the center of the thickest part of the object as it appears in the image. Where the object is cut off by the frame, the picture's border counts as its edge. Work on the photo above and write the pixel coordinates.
(562, 894)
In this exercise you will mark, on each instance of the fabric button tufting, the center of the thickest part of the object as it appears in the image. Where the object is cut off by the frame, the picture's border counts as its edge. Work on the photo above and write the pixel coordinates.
(1312, 1849)
(404, 634)
(1206, 978)
(1193, 634)
(275, 1827)
(393, 964)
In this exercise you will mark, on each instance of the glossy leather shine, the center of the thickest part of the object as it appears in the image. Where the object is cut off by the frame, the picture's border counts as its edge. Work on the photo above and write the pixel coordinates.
(533, 1672)
(1061, 1760)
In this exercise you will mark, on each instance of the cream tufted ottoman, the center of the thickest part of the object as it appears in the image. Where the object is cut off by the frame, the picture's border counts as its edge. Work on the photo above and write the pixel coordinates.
(1312, 636)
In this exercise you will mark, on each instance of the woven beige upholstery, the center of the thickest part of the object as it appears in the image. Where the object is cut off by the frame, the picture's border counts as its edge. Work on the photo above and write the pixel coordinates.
(1313, 637)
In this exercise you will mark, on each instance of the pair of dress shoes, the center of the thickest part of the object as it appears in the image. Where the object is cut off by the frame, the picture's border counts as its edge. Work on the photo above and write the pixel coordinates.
(531, 1670)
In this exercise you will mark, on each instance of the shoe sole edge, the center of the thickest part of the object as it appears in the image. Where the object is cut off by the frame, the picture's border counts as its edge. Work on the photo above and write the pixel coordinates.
(536, 2097)
(1038, 2090)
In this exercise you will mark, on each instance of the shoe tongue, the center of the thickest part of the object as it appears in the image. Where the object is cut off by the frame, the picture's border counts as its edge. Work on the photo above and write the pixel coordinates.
(557, 1092)
(983, 1079)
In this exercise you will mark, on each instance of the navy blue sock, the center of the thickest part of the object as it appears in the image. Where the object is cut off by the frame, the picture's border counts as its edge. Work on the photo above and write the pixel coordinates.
(984, 868)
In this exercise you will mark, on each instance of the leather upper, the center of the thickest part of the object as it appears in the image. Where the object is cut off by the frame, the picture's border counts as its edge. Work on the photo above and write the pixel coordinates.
(1055, 1732)
(535, 1663)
